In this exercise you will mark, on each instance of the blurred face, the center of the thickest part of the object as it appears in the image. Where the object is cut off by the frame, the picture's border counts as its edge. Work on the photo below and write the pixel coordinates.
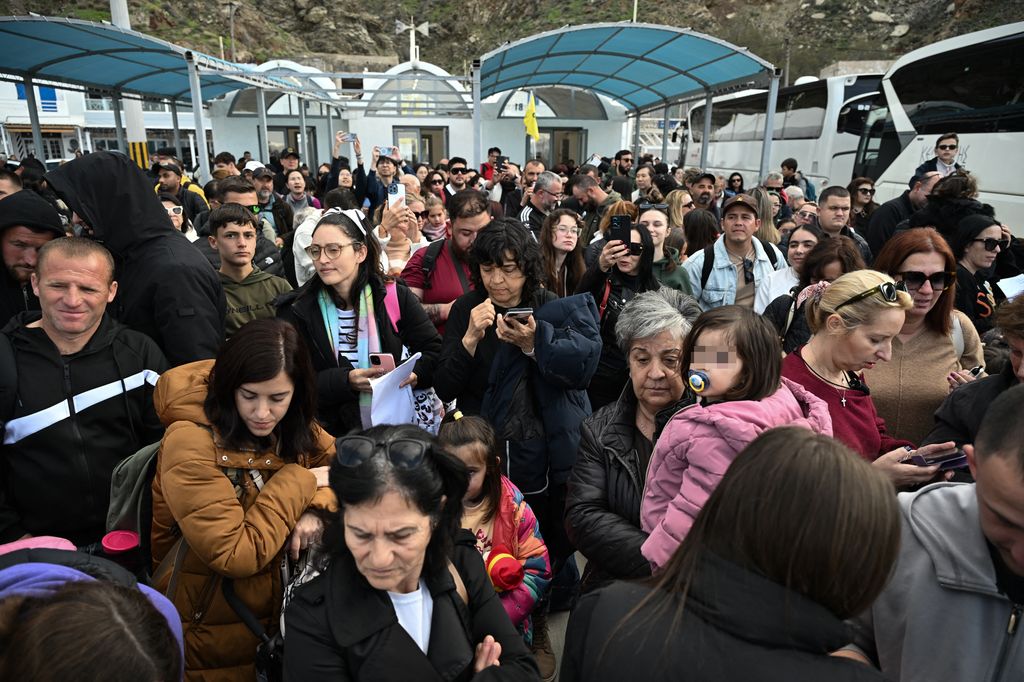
(436, 183)
(630, 264)
(834, 214)
(263, 404)
(345, 178)
(975, 255)
(473, 456)
(865, 194)
(341, 271)
(73, 294)
(865, 346)
(626, 162)
(806, 215)
(787, 172)
(925, 296)
(386, 168)
(1016, 344)
(20, 250)
(175, 213)
(296, 183)
(530, 173)
(830, 273)
(739, 225)
(735, 183)
(776, 204)
(687, 202)
(643, 179)
(800, 244)
(464, 232)
(715, 355)
(388, 539)
(265, 187)
(584, 199)
(656, 223)
(566, 234)
(999, 486)
(504, 283)
(169, 181)
(236, 244)
(654, 370)
(946, 150)
(679, 175)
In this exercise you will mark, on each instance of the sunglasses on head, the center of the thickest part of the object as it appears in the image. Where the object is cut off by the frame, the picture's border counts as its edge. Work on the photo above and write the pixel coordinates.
(652, 207)
(889, 292)
(947, 147)
(403, 453)
(940, 281)
(991, 244)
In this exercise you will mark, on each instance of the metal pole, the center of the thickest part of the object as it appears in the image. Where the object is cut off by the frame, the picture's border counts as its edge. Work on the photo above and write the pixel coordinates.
(304, 133)
(197, 113)
(33, 117)
(330, 127)
(231, 13)
(664, 136)
(122, 142)
(478, 136)
(262, 134)
(706, 136)
(769, 124)
(636, 135)
(177, 130)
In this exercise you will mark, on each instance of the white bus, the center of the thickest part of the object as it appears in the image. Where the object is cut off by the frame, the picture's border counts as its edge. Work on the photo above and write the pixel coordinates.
(971, 85)
(818, 124)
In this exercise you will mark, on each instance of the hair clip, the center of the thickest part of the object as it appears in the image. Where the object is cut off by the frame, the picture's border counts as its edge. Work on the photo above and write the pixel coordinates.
(457, 415)
(815, 291)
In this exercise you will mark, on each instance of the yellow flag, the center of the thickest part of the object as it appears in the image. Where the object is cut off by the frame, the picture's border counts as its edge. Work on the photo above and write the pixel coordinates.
(530, 119)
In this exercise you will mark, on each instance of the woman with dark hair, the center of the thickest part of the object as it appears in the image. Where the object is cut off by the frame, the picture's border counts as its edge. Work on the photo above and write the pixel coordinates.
(434, 184)
(760, 587)
(241, 478)
(620, 272)
(780, 282)
(561, 250)
(827, 260)
(667, 266)
(645, 190)
(406, 595)
(701, 229)
(176, 214)
(298, 195)
(733, 186)
(937, 346)
(980, 242)
(347, 312)
(862, 203)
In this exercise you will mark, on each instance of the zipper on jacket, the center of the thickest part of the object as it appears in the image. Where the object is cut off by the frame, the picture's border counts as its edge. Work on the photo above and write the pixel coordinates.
(79, 440)
(1004, 649)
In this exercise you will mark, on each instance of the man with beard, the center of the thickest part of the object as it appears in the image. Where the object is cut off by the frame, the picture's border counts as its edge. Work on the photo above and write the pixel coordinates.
(702, 191)
(273, 208)
(594, 201)
(440, 273)
(458, 173)
(27, 222)
(547, 192)
(169, 176)
(622, 166)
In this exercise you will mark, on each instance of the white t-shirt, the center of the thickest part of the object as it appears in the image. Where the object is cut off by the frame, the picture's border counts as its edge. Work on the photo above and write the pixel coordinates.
(414, 611)
(774, 285)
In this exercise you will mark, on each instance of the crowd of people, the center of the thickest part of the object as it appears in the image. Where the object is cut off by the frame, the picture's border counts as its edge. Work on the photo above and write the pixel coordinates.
(774, 425)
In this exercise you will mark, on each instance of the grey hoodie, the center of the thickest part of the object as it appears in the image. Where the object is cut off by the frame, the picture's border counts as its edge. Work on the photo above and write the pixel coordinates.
(941, 616)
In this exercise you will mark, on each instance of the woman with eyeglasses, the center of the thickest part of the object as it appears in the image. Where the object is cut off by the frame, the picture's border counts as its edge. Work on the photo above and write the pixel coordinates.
(344, 315)
(561, 251)
(979, 241)
(854, 323)
(176, 213)
(937, 347)
(666, 263)
(241, 479)
(406, 596)
(862, 203)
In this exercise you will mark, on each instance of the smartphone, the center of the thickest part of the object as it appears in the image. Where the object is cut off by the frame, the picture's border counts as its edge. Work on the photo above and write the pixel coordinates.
(348, 137)
(396, 193)
(955, 460)
(501, 163)
(620, 229)
(519, 314)
(388, 151)
(975, 371)
(384, 361)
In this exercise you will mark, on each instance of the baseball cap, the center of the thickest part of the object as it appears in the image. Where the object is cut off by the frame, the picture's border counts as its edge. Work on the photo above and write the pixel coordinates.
(741, 200)
(171, 166)
(713, 177)
(290, 151)
(262, 172)
(252, 166)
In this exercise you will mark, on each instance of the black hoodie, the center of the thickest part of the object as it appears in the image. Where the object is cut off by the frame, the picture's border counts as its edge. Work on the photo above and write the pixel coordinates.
(166, 288)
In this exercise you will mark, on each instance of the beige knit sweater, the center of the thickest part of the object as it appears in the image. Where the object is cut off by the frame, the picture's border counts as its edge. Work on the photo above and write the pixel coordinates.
(908, 389)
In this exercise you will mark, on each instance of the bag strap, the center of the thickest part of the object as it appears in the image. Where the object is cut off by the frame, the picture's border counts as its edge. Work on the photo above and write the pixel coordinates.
(391, 304)
(430, 260)
(172, 563)
(769, 251)
(709, 265)
(460, 586)
(243, 611)
(791, 314)
(458, 269)
(604, 298)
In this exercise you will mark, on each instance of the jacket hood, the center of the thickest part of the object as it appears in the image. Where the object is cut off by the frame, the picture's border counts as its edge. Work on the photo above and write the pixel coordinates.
(739, 422)
(181, 391)
(256, 275)
(114, 197)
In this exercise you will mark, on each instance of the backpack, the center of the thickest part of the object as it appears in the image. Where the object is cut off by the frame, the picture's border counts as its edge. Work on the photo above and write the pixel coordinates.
(131, 493)
(430, 260)
(709, 260)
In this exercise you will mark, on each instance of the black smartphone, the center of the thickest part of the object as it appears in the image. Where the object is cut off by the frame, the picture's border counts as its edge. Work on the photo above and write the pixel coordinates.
(519, 314)
(620, 229)
(501, 163)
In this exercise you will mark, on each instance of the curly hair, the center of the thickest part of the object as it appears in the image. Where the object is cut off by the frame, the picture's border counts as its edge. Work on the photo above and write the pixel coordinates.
(494, 244)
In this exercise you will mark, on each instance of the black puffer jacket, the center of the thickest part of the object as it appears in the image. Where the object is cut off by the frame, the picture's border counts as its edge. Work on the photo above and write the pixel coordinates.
(166, 289)
(794, 333)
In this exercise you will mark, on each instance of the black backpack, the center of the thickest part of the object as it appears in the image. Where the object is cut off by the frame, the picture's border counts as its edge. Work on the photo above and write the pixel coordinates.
(430, 260)
(709, 260)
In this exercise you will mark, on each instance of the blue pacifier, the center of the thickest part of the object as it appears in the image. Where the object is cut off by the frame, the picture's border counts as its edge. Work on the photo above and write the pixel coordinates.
(699, 381)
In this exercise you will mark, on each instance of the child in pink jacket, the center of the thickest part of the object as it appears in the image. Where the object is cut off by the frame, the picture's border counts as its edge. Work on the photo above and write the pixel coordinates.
(733, 361)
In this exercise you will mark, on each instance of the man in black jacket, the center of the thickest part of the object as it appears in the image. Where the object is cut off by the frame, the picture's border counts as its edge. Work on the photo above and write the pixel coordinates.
(27, 222)
(167, 290)
(76, 389)
(886, 217)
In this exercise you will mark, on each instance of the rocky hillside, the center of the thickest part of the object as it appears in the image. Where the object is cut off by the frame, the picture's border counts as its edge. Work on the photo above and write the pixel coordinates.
(355, 34)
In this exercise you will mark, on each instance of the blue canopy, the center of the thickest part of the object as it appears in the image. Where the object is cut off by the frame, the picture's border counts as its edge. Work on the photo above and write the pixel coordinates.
(642, 66)
(105, 57)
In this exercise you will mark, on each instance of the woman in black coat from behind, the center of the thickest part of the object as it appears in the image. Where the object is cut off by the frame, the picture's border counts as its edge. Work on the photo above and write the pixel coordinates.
(751, 593)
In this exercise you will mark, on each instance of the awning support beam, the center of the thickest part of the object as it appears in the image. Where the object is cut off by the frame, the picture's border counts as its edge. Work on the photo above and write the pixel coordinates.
(177, 128)
(33, 117)
(122, 140)
(261, 112)
(478, 137)
(769, 124)
(197, 113)
(705, 139)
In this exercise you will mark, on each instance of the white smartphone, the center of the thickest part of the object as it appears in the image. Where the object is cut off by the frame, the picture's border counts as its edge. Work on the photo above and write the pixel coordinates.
(396, 193)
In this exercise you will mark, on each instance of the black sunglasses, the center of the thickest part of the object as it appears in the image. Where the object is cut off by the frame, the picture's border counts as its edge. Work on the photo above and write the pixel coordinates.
(748, 271)
(636, 249)
(652, 207)
(991, 244)
(888, 290)
(939, 280)
(947, 147)
(422, 215)
(437, 182)
(403, 453)
(458, 171)
(866, 190)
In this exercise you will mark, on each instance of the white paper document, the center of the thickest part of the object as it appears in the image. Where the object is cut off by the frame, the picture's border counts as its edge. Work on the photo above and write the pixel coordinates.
(391, 404)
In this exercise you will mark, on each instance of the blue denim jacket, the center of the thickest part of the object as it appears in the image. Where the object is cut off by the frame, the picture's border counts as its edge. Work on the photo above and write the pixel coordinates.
(721, 287)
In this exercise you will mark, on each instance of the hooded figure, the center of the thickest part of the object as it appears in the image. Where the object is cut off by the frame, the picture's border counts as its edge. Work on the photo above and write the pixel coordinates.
(166, 288)
(40, 223)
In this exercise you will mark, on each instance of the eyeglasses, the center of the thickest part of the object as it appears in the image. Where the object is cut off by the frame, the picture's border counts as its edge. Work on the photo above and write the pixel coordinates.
(636, 249)
(947, 147)
(888, 290)
(748, 271)
(176, 210)
(940, 281)
(403, 453)
(562, 229)
(332, 250)
(990, 243)
(807, 214)
(866, 190)
(652, 207)
(458, 171)
(689, 205)
(560, 195)
(437, 182)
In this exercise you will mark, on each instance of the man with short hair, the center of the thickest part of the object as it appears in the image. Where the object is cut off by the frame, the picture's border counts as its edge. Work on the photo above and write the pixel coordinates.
(885, 218)
(169, 176)
(739, 261)
(10, 182)
(488, 168)
(439, 273)
(622, 166)
(795, 198)
(807, 215)
(958, 584)
(27, 222)
(458, 173)
(235, 190)
(226, 161)
(834, 212)
(944, 161)
(78, 398)
(790, 177)
(250, 292)
(167, 290)
(273, 208)
(531, 169)
(547, 192)
(702, 191)
(385, 170)
(594, 200)
(289, 161)
(412, 185)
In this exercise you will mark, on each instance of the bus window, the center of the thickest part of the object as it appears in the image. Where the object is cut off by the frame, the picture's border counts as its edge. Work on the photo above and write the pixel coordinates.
(805, 113)
(854, 114)
(879, 145)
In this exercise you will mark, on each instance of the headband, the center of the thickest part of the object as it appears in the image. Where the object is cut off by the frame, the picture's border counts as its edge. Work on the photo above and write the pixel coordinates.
(815, 291)
(353, 214)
